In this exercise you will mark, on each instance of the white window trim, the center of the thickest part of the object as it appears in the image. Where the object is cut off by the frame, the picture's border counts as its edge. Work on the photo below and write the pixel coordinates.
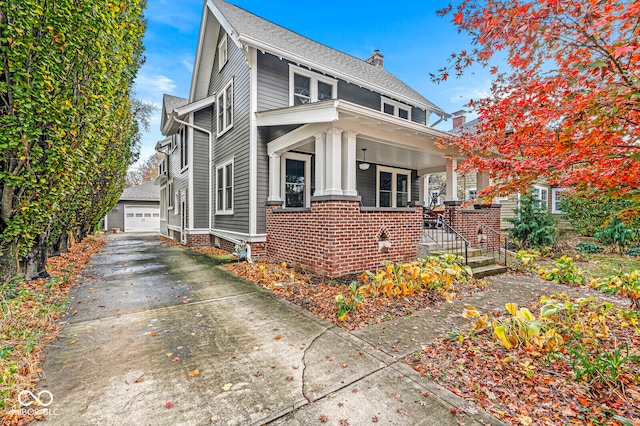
(555, 208)
(307, 173)
(225, 211)
(163, 202)
(315, 77)
(545, 202)
(223, 52)
(396, 105)
(170, 199)
(176, 200)
(184, 143)
(394, 184)
(223, 96)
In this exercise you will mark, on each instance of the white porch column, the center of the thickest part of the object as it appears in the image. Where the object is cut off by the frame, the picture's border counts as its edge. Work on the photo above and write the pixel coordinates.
(483, 181)
(424, 189)
(320, 164)
(452, 180)
(349, 163)
(333, 177)
(274, 178)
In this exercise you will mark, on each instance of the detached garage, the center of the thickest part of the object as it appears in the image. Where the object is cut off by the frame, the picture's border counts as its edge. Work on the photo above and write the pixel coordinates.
(138, 210)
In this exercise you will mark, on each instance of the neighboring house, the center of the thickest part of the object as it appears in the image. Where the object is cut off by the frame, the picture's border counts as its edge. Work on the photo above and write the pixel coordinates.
(549, 195)
(306, 154)
(137, 210)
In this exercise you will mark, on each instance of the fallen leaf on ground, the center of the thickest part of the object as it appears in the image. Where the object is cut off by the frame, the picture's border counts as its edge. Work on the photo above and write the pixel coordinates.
(194, 373)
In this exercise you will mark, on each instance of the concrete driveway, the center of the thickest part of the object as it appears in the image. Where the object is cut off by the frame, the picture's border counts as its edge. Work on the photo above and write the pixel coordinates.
(154, 326)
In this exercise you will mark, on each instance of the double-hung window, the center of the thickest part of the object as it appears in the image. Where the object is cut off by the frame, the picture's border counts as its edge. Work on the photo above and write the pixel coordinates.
(542, 195)
(306, 86)
(224, 108)
(224, 188)
(398, 109)
(223, 55)
(557, 194)
(393, 187)
(170, 200)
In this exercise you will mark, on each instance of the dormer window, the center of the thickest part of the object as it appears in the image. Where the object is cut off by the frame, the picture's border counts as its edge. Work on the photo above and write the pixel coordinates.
(306, 86)
(222, 53)
(396, 108)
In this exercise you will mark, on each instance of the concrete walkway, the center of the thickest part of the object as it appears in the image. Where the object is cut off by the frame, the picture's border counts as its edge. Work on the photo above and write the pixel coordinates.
(148, 316)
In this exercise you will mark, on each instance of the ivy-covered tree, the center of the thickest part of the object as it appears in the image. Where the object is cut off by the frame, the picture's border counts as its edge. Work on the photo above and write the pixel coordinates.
(67, 126)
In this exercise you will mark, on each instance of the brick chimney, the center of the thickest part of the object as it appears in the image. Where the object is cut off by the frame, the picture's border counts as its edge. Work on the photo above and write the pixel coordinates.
(376, 59)
(459, 118)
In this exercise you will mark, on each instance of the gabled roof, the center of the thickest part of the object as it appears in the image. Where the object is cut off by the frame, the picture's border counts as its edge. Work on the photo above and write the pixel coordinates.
(145, 192)
(169, 103)
(247, 28)
(171, 118)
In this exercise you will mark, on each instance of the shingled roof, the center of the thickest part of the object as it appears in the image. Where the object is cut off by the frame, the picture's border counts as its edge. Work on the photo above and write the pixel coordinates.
(145, 192)
(269, 36)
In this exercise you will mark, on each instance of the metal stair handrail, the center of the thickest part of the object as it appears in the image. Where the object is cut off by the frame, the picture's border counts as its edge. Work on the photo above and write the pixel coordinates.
(501, 238)
(436, 227)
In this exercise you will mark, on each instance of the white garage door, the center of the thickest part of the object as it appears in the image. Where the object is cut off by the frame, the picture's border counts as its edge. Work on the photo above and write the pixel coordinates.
(141, 219)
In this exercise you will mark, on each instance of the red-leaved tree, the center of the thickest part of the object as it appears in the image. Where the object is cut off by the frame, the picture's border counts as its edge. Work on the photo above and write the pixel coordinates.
(568, 108)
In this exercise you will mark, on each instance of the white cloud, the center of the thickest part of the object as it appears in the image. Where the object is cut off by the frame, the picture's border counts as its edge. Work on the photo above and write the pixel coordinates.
(154, 85)
(462, 94)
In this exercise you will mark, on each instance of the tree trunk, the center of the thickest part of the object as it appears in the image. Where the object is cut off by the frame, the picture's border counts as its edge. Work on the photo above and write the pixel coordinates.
(34, 264)
(8, 262)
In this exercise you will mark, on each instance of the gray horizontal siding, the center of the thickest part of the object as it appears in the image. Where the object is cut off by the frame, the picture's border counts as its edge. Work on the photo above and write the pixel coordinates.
(359, 95)
(200, 166)
(273, 82)
(180, 183)
(235, 143)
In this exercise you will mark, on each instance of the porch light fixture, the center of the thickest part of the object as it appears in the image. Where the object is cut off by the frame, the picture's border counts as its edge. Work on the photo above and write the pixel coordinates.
(364, 165)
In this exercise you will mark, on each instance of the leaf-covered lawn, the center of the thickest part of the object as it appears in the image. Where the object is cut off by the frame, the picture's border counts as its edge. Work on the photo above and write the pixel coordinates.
(318, 296)
(30, 314)
(525, 387)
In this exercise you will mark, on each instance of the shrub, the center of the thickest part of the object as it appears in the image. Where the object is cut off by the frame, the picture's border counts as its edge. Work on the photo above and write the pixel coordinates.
(633, 251)
(588, 247)
(626, 285)
(588, 211)
(615, 232)
(532, 226)
(350, 303)
(564, 272)
(405, 279)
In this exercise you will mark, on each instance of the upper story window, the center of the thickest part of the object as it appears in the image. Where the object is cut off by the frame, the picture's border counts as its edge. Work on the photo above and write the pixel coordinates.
(223, 55)
(184, 147)
(224, 108)
(162, 167)
(306, 86)
(396, 108)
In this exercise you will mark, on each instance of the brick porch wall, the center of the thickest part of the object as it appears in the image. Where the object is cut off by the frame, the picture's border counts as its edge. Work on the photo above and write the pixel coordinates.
(461, 221)
(335, 237)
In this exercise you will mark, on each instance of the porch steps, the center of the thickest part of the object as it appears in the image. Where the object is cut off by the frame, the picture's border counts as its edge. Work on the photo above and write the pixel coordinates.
(481, 265)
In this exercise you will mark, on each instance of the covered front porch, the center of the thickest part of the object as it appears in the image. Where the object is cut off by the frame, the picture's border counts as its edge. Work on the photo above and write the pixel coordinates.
(347, 185)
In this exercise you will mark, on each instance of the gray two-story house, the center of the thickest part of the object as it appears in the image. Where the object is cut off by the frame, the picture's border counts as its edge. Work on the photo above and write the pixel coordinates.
(306, 154)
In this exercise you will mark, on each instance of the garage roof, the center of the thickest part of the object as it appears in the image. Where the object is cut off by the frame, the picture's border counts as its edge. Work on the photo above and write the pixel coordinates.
(145, 192)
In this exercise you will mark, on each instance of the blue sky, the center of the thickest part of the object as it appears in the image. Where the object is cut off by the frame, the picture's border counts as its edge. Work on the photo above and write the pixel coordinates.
(413, 39)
